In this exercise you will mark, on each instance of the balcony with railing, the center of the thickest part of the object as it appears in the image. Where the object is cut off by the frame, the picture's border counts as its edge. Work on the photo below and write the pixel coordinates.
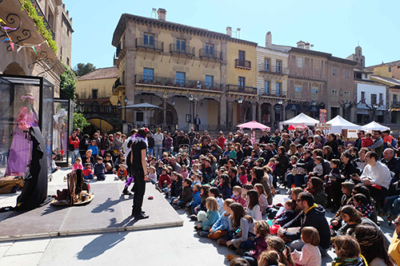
(149, 44)
(273, 69)
(203, 53)
(178, 83)
(118, 85)
(242, 89)
(40, 13)
(395, 104)
(242, 64)
(179, 49)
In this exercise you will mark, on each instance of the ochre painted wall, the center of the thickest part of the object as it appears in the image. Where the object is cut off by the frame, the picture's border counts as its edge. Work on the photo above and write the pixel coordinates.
(166, 64)
(233, 73)
(104, 86)
(104, 126)
(383, 71)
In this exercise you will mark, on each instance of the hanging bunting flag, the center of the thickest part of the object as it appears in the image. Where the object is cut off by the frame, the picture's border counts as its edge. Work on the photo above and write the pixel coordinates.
(12, 46)
(19, 49)
(3, 21)
(8, 28)
(33, 47)
(39, 45)
(6, 39)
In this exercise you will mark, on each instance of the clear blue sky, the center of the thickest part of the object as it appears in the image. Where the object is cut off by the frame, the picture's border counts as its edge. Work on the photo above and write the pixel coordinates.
(332, 26)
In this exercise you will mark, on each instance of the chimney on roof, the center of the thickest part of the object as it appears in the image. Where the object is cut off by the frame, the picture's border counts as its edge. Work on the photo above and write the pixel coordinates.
(162, 14)
(268, 39)
(307, 46)
(229, 31)
(301, 44)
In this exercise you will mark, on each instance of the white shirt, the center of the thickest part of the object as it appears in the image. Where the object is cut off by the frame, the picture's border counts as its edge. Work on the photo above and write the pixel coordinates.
(379, 174)
(158, 138)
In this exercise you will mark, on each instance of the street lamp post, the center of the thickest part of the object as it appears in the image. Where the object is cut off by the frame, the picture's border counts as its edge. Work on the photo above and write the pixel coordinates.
(374, 107)
(125, 101)
(313, 103)
(190, 100)
(346, 107)
(240, 101)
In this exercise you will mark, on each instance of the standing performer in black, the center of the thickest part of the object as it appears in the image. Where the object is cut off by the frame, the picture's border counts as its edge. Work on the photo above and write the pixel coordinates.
(137, 167)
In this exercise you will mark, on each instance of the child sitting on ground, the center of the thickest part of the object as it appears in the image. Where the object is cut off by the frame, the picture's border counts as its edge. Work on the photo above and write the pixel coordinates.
(242, 175)
(87, 171)
(262, 197)
(214, 192)
(88, 160)
(334, 174)
(237, 196)
(221, 227)
(196, 199)
(348, 250)
(245, 189)
(288, 214)
(224, 186)
(160, 166)
(207, 219)
(176, 185)
(152, 175)
(204, 194)
(185, 195)
(318, 170)
(196, 179)
(77, 165)
(362, 205)
(164, 180)
(122, 173)
(184, 171)
(99, 169)
(310, 254)
(253, 209)
(109, 164)
(93, 147)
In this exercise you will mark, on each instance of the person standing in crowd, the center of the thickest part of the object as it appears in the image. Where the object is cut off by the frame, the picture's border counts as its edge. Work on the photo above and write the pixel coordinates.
(158, 141)
(197, 122)
(137, 166)
(191, 136)
(73, 147)
(151, 143)
(78, 133)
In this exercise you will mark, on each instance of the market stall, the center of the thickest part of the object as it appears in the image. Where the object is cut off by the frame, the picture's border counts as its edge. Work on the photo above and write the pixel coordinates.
(374, 126)
(299, 120)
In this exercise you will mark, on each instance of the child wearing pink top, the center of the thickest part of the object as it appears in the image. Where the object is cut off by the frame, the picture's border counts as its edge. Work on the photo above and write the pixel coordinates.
(77, 164)
(310, 254)
(184, 171)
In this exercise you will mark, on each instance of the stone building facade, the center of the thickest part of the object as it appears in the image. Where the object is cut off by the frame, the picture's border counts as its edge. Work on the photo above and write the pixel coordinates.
(45, 62)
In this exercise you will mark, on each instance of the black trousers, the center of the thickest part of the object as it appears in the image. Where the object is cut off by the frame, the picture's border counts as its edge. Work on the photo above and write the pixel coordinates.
(196, 127)
(139, 190)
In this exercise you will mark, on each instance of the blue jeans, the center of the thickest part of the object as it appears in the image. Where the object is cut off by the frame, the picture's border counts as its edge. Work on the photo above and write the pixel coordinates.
(392, 201)
(74, 154)
(297, 180)
(248, 244)
(180, 203)
(158, 151)
(150, 151)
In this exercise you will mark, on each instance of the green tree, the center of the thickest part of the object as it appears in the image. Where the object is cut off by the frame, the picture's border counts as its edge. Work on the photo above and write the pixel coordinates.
(67, 84)
(82, 69)
(80, 121)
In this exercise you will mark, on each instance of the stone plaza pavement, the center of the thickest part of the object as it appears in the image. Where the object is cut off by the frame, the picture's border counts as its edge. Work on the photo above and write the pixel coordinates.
(165, 246)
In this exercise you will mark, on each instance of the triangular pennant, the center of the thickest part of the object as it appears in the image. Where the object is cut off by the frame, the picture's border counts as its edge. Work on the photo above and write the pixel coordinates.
(6, 39)
(8, 28)
(3, 21)
(12, 46)
(39, 45)
(19, 49)
(33, 47)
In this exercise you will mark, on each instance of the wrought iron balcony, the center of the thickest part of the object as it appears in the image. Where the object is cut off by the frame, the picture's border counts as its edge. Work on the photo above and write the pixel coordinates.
(119, 48)
(273, 69)
(40, 13)
(395, 104)
(173, 82)
(207, 54)
(242, 89)
(147, 44)
(186, 50)
(117, 84)
(242, 64)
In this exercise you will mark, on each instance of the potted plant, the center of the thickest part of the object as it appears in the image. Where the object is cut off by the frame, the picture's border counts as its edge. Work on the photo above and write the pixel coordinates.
(141, 81)
(158, 83)
(187, 86)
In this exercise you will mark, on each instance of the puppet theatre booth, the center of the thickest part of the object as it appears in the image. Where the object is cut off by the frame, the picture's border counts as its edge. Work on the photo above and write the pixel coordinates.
(26, 122)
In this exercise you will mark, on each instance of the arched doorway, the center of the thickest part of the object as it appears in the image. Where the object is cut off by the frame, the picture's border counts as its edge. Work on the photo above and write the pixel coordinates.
(265, 114)
(14, 69)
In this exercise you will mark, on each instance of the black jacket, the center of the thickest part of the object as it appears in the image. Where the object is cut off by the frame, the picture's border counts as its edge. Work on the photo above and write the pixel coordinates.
(150, 142)
(347, 170)
(334, 146)
(315, 218)
(394, 166)
(264, 139)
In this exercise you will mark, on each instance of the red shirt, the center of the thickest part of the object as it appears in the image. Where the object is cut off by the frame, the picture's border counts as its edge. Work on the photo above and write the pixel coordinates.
(74, 142)
(366, 142)
(163, 178)
(221, 142)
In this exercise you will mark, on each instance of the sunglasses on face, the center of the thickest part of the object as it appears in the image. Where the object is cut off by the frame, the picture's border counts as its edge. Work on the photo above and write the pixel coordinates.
(298, 200)
(396, 223)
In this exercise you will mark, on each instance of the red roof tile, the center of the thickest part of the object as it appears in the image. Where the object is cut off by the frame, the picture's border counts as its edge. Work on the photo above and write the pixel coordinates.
(101, 73)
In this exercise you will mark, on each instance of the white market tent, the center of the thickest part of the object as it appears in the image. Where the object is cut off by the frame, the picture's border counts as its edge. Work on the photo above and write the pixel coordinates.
(301, 119)
(339, 123)
(374, 126)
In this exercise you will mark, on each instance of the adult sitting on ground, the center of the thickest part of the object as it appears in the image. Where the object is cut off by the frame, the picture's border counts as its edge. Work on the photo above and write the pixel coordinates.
(372, 244)
(394, 248)
(311, 215)
(376, 177)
